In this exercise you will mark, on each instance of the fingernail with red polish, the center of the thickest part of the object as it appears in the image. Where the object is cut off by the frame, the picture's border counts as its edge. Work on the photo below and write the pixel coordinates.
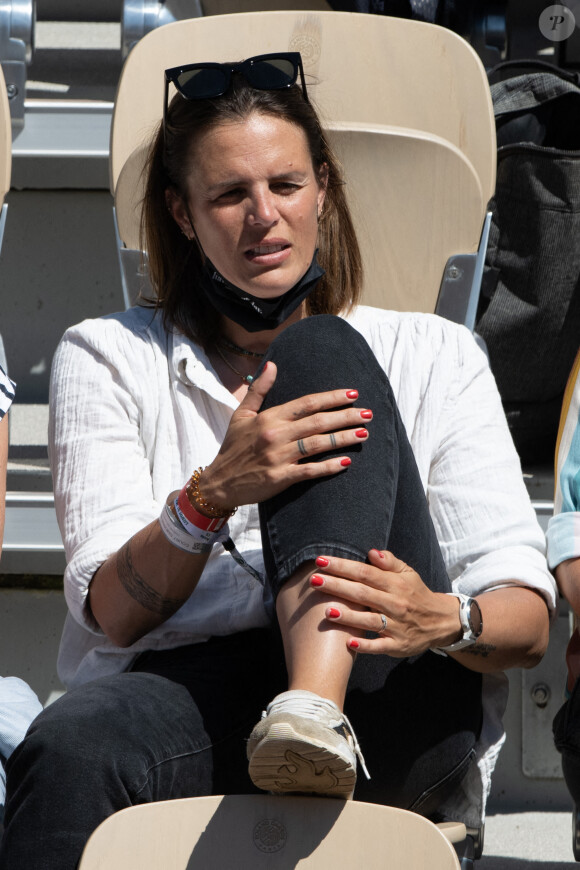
(346, 461)
(353, 644)
(361, 433)
(333, 613)
(366, 415)
(352, 394)
(378, 553)
(315, 580)
(322, 561)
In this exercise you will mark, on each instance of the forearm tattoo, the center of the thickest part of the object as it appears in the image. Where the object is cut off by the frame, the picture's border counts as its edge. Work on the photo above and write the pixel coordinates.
(138, 588)
(481, 649)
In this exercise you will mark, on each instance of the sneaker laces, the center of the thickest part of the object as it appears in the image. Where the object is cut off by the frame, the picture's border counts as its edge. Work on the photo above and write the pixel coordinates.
(311, 706)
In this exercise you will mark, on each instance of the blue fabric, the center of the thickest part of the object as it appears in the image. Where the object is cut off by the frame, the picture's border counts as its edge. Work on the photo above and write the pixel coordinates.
(563, 535)
(18, 707)
(570, 475)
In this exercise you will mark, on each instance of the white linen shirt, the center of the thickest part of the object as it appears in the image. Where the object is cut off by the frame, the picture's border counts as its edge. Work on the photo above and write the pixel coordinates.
(134, 409)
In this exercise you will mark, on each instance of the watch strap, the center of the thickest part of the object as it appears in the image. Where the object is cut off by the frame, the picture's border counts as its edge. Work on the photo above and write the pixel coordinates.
(469, 637)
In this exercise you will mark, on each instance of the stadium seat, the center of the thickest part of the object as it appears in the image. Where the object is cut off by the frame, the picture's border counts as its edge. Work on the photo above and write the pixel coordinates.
(415, 132)
(262, 832)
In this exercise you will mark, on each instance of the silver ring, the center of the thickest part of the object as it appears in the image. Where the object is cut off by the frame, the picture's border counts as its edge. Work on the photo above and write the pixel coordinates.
(383, 623)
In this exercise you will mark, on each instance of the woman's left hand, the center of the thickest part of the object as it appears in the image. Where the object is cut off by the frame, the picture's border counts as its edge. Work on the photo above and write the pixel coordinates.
(416, 617)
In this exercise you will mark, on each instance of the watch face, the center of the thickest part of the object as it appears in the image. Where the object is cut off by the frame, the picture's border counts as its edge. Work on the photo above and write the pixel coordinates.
(475, 618)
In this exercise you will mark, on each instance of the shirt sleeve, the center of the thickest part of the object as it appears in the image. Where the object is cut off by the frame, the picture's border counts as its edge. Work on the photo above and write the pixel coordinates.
(484, 520)
(18, 707)
(102, 477)
(564, 527)
(7, 388)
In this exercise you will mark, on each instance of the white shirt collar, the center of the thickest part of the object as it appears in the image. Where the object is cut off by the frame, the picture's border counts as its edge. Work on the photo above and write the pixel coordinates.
(190, 364)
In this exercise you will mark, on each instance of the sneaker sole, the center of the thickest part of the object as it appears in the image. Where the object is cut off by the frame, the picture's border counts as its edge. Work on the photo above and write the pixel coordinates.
(285, 762)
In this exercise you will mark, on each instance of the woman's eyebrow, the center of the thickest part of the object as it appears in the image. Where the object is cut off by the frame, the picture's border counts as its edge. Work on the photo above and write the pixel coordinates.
(297, 175)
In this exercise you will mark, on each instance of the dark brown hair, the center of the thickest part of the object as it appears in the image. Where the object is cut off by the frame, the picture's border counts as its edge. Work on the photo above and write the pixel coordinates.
(175, 262)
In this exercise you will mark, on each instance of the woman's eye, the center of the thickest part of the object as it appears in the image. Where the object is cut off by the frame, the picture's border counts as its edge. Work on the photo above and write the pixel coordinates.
(233, 194)
(285, 187)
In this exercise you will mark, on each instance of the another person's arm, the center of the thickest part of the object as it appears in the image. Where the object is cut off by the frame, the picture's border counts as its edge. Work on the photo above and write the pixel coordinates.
(568, 579)
(3, 463)
(6, 397)
(564, 527)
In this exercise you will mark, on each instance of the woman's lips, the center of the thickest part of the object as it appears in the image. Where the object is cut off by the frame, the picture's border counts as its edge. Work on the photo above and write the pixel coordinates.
(268, 254)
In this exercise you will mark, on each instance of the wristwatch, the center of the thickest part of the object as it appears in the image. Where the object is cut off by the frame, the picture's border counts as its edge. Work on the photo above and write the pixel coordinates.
(471, 623)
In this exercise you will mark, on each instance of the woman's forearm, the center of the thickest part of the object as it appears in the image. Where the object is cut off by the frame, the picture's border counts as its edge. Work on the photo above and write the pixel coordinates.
(142, 585)
(515, 631)
(515, 618)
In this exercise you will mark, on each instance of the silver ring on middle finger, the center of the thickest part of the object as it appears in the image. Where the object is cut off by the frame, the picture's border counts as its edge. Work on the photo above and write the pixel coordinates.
(383, 623)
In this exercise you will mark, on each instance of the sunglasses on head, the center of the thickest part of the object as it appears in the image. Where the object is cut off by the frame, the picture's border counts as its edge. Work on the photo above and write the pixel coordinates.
(265, 72)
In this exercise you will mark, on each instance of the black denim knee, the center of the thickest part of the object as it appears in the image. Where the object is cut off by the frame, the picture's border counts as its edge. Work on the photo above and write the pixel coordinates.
(379, 500)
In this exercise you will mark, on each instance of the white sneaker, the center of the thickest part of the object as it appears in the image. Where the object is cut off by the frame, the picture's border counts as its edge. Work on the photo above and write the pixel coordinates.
(304, 744)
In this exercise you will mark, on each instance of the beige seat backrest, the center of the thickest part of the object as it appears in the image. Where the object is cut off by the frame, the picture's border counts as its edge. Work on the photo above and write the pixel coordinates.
(368, 69)
(415, 200)
(5, 141)
(262, 832)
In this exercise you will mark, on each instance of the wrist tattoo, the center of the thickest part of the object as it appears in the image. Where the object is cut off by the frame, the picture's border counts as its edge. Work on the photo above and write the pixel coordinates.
(138, 588)
(481, 649)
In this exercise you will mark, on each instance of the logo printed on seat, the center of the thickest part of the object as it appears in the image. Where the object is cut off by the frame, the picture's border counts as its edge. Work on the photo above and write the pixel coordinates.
(270, 835)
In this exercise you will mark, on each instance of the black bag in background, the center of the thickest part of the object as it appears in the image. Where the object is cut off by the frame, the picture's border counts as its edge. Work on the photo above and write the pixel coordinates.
(455, 14)
(529, 310)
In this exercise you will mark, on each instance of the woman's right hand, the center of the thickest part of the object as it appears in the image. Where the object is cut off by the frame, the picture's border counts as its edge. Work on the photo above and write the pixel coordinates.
(264, 453)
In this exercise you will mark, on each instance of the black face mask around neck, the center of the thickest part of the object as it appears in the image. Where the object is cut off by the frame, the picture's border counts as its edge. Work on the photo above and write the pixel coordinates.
(250, 312)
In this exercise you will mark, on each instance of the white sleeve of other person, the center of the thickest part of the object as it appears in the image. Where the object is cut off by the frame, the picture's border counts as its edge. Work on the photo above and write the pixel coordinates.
(18, 703)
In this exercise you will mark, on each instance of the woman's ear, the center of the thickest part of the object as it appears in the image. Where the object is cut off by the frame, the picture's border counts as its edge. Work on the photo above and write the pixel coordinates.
(176, 205)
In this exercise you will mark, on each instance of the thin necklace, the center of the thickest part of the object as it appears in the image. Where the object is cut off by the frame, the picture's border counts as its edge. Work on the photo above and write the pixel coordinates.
(235, 348)
(246, 379)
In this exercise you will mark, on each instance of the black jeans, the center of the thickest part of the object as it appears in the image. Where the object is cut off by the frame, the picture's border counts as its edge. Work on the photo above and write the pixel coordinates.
(176, 725)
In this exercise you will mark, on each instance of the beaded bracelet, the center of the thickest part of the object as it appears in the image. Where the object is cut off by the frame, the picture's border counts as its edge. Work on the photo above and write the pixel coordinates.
(192, 520)
(197, 500)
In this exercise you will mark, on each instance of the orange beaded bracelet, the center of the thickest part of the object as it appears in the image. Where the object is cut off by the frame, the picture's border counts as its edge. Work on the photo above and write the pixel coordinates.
(198, 502)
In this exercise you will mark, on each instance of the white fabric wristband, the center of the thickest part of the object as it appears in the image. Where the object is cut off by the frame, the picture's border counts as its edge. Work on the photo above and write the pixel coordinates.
(200, 541)
(203, 535)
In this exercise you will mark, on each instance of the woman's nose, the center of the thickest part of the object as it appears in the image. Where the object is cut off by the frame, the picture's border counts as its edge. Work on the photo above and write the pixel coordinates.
(263, 210)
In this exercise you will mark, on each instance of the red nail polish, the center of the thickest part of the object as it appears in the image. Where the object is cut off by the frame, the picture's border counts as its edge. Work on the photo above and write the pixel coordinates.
(353, 644)
(361, 433)
(346, 461)
(315, 580)
(352, 394)
(366, 415)
(333, 613)
(378, 553)
(322, 561)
